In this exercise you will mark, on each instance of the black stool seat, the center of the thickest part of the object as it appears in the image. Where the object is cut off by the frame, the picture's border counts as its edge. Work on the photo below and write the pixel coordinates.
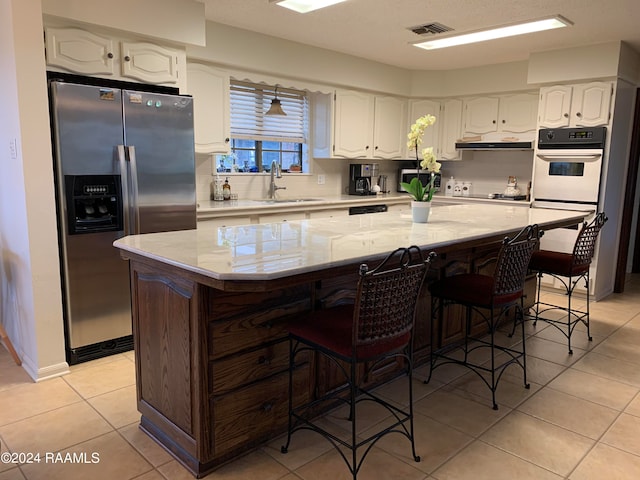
(377, 326)
(568, 269)
(478, 293)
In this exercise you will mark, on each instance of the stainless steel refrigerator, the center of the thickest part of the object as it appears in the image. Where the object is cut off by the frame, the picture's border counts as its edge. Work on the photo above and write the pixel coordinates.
(124, 163)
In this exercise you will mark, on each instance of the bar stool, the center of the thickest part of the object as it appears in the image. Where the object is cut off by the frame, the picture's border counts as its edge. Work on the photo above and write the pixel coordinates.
(497, 293)
(378, 326)
(569, 269)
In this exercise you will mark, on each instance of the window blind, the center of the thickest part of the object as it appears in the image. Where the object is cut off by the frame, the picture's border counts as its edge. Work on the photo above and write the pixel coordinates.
(250, 102)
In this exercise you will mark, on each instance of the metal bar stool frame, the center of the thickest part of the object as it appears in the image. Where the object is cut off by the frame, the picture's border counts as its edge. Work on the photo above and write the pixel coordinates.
(569, 269)
(381, 323)
(474, 291)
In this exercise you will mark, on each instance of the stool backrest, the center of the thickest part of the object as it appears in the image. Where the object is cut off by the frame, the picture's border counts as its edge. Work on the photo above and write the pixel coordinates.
(586, 241)
(387, 295)
(513, 261)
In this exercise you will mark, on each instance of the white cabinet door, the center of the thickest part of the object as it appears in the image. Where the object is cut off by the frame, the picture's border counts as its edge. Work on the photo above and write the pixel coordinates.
(79, 51)
(481, 115)
(389, 127)
(149, 63)
(451, 129)
(210, 90)
(590, 104)
(353, 124)
(518, 113)
(582, 105)
(431, 137)
(334, 213)
(555, 106)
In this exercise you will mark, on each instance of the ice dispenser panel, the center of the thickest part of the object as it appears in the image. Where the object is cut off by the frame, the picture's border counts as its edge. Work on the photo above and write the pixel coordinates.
(94, 203)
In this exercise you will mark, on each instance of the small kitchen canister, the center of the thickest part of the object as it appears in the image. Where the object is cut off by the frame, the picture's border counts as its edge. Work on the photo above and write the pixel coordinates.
(466, 189)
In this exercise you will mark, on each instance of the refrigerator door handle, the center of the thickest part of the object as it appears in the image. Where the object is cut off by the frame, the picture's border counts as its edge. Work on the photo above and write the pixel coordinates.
(124, 175)
(133, 182)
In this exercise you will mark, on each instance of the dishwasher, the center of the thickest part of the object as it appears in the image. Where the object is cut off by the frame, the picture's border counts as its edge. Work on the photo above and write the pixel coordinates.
(367, 209)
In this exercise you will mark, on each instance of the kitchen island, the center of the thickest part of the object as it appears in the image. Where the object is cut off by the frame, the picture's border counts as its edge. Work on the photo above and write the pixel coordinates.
(210, 308)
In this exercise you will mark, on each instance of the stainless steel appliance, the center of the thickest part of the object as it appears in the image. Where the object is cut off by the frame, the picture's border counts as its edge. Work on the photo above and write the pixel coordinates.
(406, 174)
(568, 166)
(361, 178)
(124, 162)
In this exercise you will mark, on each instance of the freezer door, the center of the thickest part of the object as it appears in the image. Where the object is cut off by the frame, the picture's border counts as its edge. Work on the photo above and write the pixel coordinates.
(159, 139)
(87, 126)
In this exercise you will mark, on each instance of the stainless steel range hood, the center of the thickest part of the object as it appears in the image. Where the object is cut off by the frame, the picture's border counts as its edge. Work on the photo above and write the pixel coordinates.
(496, 141)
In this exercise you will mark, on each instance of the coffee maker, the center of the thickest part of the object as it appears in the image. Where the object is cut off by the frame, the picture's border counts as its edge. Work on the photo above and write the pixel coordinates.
(361, 178)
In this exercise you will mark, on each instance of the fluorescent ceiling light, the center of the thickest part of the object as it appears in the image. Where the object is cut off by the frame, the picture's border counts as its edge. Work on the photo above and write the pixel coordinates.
(500, 32)
(304, 6)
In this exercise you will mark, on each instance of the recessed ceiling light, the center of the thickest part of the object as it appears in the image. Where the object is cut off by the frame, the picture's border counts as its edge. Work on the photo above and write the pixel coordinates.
(499, 32)
(304, 6)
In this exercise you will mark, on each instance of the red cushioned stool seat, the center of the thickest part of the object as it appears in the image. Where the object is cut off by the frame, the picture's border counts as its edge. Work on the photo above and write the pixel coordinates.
(478, 293)
(568, 269)
(377, 327)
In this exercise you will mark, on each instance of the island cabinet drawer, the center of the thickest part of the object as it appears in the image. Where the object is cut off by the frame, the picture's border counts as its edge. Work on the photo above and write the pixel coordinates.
(238, 370)
(240, 321)
(251, 415)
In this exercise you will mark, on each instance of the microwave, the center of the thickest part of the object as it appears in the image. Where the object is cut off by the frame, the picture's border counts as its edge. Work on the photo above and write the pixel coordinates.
(406, 174)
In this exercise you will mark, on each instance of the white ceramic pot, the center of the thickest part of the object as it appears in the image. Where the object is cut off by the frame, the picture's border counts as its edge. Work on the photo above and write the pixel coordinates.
(420, 211)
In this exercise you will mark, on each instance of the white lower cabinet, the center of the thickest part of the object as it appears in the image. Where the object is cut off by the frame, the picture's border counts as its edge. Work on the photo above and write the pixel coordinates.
(281, 217)
(334, 213)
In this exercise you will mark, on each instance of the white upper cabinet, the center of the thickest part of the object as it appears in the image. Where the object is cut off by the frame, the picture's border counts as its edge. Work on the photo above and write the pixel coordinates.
(582, 105)
(210, 90)
(481, 115)
(451, 128)
(508, 113)
(353, 124)
(79, 51)
(149, 63)
(431, 137)
(362, 125)
(518, 113)
(389, 127)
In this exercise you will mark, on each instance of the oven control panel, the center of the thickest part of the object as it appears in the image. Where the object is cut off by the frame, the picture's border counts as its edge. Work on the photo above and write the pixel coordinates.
(556, 138)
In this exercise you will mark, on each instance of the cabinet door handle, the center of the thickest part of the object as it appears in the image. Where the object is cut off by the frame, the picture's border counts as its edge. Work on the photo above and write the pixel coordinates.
(494, 122)
(578, 114)
(566, 115)
(127, 58)
(109, 55)
(264, 360)
(367, 147)
(226, 140)
(504, 121)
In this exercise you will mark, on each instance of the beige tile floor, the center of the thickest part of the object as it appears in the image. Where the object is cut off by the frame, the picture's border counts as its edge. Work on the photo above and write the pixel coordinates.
(580, 419)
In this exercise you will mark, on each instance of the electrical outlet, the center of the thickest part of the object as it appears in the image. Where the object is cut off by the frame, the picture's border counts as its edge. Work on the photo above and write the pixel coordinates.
(320, 179)
(13, 149)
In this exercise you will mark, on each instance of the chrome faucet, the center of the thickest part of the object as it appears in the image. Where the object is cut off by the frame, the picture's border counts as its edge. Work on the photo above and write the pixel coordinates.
(276, 172)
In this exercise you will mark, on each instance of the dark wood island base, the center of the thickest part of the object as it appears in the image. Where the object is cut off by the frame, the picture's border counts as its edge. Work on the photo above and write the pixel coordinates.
(212, 355)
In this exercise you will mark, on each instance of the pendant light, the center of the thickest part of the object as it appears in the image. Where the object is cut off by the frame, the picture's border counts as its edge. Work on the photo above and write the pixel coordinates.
(276, 106)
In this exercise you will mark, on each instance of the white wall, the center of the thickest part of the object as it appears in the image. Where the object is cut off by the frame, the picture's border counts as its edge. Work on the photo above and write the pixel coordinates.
(31, 297)
(235, 48)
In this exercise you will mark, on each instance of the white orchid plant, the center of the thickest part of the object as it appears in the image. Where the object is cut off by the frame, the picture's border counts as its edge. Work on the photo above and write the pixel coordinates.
(419, 192)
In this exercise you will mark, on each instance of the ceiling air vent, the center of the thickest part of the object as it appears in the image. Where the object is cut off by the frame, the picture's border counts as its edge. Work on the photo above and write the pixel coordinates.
(433, 28)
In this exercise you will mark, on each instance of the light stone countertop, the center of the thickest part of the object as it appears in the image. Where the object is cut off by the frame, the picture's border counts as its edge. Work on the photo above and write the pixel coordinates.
(275, 250)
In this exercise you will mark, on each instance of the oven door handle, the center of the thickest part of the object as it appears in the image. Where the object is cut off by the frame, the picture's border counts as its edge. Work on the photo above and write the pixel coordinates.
(586, 156)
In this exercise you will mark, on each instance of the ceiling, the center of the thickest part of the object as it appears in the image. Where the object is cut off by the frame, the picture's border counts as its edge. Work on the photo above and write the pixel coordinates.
(378, 29)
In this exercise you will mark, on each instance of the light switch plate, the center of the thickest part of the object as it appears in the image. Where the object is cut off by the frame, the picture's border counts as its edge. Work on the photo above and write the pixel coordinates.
(321, 179)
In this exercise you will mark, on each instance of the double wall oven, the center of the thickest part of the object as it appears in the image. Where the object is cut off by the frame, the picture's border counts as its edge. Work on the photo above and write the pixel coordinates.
(567, 175)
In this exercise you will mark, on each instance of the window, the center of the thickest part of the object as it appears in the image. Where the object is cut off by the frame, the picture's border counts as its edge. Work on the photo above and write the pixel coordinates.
(257, 139)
